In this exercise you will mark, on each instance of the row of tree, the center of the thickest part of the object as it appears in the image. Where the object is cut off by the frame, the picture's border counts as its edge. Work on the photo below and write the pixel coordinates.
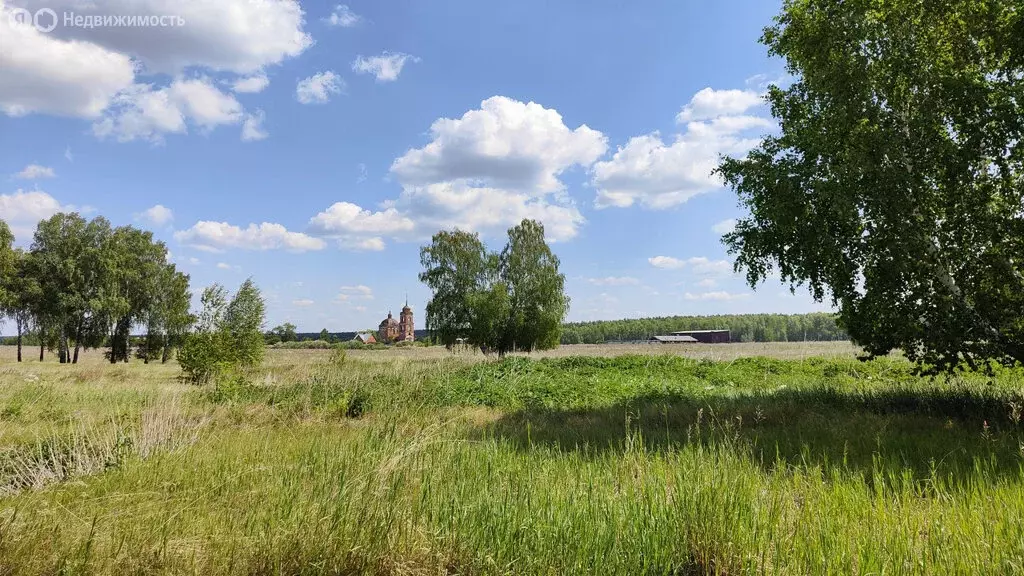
(85, 284)
(497, 301)
(744, 327)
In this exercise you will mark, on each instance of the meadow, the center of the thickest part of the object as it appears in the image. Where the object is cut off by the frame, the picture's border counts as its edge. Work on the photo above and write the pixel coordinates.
(735, 459)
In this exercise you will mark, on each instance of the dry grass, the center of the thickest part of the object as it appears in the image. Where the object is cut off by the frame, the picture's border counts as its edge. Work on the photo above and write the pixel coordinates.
(719, 352)
(722, 352)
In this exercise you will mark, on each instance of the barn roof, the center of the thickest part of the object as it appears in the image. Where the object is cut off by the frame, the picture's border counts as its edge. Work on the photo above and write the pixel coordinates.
(685, 332)
(674, 339)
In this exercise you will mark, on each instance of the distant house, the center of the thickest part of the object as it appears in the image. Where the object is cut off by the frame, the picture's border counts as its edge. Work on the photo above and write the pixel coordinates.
(707, 336)
(365, 338)
(673, 340)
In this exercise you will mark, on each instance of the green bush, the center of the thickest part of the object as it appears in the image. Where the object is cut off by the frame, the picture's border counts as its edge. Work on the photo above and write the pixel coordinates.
(350, 345)
(204, 355)
(338, 356)
(227, 334)
(303, 345)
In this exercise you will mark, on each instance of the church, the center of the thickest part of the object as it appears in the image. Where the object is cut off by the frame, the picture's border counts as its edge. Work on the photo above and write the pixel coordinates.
(402, 330)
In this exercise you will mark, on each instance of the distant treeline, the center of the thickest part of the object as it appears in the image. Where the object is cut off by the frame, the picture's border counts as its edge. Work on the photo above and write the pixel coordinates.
(744, 327)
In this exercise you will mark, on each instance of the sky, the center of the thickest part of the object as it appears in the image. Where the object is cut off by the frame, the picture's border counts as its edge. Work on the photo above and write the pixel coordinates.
(316, 146)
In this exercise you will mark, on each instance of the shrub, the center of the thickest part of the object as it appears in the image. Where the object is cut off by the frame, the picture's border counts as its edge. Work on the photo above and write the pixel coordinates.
(303, 345)
(338, 356)
(203, 356)
(227, 335)
(350, 345)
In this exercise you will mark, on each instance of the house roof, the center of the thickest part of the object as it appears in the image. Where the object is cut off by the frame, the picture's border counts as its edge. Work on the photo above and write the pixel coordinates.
(685, 332)
(674, 339)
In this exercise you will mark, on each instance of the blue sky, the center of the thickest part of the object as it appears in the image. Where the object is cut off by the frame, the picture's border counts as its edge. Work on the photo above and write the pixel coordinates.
(316, 146)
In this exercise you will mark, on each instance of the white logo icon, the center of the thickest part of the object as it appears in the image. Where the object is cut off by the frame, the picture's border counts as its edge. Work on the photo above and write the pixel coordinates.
(44, 20)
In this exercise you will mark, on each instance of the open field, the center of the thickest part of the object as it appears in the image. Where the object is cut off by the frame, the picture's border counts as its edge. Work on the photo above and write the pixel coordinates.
(690, 460)
(719, 352)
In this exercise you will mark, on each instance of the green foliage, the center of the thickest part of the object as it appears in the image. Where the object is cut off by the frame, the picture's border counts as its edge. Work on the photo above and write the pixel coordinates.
(243, 321)
(537, 301)
(282, 333)
(338, 357)
(86, 283)
(303, 345)
(228, 335)
(137, 276)
(72, 263)
(503, 302)
(205, 355)
(8, 269)
(816, 326)
(894, 189)
(455, 266)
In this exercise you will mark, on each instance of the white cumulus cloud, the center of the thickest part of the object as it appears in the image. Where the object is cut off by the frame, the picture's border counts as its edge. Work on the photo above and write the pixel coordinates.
(358, 229)
(666, 262)
(505, 144)
(318, 88)
(158, 215)
(386, 67)
(489, 211)
(698, 265)
(251, 84)
(148, 113)
(660, 174)
(221, 236)
(41, 73)
(81, 71)
(252, 128)
(702, 265)
(360, 291)
(716, 296)
(344, 218)
(240, 36)
(614, 281)
(709, 104)
(23, 210)
(343, 17)
(724, 227)
(35, 172)
(483, 172)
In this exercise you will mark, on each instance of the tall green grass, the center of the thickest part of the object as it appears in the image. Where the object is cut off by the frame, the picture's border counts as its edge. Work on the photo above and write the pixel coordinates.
(635, 465)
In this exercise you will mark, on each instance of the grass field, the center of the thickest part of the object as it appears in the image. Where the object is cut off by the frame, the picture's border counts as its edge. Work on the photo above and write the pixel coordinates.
(738, 459)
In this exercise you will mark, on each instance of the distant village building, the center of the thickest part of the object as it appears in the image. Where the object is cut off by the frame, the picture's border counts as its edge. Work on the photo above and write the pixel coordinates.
(673, 340)
(366, 338)
(401, 330)
(693, 337)
(707, 336)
